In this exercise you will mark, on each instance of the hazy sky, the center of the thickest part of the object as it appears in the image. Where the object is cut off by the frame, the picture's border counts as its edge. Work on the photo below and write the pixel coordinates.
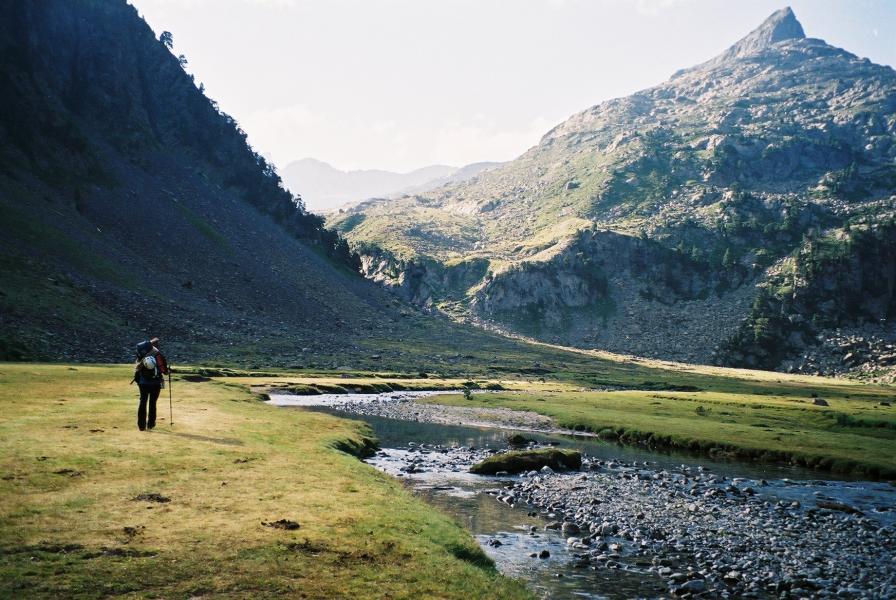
(400, 84)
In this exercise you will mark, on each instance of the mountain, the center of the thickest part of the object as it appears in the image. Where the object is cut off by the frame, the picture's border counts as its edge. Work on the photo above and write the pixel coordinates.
(131, 206)
(739, 213)
(324, 187)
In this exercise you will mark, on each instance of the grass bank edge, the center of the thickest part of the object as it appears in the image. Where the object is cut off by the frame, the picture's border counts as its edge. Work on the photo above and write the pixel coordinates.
(575, 411)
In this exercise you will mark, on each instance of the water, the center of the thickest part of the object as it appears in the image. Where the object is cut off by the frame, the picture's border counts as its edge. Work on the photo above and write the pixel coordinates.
(467, 497)
(395, 433)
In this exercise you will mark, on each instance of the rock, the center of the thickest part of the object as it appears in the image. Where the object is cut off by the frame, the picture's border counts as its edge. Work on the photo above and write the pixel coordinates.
(838, 506)
(732, 577)
(517, 439)
(820, 402)
(519, 461)
(544, 554)
(570, 528)
(694, 586)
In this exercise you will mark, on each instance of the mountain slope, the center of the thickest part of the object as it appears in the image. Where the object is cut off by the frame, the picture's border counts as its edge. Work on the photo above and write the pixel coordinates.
(131, 206)
(645, 224)
(324, 187)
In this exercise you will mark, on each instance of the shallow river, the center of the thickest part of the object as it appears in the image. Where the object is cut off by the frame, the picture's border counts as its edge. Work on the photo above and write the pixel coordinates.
(426, 456)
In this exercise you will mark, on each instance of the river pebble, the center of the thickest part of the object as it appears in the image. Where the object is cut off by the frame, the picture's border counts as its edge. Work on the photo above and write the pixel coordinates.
(708, 536)
(703, 534)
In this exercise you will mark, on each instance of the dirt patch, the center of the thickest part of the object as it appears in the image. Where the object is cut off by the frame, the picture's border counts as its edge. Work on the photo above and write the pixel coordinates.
(307, 547)
(131, 532)
(120, 553)
(152, 497)
(282, 524)
(69, 472)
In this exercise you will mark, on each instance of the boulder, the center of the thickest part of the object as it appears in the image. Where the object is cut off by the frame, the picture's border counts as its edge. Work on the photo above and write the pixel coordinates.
(527, 460)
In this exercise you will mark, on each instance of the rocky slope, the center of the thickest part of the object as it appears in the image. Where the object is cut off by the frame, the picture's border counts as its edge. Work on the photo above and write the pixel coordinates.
(130, 206)
(649, 224)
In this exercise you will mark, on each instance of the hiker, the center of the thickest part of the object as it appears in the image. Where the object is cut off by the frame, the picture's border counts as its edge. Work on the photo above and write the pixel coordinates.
(149, 374)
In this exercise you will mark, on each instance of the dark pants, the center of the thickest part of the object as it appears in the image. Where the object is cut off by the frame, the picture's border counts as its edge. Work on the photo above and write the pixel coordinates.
(148, 393)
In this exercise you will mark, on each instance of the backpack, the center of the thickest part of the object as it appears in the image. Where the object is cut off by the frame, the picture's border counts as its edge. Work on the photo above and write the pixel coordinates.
(147, 367)
(143, 349)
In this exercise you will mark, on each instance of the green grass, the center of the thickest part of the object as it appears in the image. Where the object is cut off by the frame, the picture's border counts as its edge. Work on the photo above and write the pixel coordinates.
(854, 435)
(71, 462)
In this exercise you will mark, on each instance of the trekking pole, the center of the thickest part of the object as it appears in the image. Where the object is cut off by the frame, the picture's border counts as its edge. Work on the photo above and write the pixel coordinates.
(170, 401)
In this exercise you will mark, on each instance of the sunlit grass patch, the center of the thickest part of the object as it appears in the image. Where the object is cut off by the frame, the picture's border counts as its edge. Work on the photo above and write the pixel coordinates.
(81, 514)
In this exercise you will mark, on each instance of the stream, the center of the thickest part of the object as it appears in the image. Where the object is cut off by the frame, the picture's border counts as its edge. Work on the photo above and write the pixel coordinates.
(633, 522)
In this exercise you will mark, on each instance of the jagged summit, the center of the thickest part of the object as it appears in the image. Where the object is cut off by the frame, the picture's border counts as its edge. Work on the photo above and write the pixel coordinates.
(780, 26)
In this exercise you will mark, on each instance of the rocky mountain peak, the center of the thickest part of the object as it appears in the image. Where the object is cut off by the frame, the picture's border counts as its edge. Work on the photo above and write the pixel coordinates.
(781, 25)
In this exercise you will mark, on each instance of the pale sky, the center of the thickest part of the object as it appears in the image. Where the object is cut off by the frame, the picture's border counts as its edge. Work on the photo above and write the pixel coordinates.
(401, 84)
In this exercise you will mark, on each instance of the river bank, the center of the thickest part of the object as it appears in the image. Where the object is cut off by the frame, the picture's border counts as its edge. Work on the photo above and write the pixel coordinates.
(684, 532)
(633, 522)
(854, 439)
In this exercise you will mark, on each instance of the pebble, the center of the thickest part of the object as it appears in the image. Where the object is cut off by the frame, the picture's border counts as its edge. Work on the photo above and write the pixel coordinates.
(706, 535)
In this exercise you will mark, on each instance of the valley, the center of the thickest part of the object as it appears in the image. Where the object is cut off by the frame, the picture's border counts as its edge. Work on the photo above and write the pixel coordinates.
(653, 356)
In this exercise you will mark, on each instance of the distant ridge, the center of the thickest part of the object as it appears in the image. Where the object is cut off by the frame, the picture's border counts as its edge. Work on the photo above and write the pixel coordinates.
(325, 188)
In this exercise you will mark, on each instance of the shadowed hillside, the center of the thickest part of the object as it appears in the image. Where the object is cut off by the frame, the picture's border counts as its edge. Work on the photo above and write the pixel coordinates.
(131, 205)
